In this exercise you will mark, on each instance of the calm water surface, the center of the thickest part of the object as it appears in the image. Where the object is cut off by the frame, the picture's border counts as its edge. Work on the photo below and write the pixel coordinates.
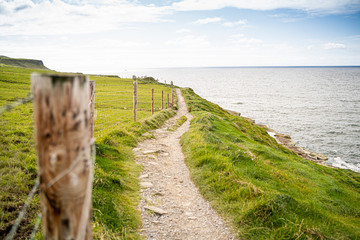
(318, 107)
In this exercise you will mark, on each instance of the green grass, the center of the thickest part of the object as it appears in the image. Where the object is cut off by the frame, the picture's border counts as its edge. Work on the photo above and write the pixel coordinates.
(18, 169)
(263, 189)
(114, 101)
(179, 122)
(116, 187)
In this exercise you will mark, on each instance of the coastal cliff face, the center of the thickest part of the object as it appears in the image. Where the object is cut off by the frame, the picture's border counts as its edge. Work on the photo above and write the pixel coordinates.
(263, 188)
(24, 63)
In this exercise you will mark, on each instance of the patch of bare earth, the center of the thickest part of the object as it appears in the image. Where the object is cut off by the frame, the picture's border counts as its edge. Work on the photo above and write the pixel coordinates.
(171, 206)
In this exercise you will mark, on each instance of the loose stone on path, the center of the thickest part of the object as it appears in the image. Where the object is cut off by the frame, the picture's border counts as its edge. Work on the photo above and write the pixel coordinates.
(156, 210)
(146, 184)
(171, 206)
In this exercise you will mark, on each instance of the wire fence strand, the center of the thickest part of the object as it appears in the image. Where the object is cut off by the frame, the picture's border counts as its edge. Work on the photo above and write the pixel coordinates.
(101, 106)
(36, 227)
(113, 100)
(17, 103)
(22, 214)
(112, 91)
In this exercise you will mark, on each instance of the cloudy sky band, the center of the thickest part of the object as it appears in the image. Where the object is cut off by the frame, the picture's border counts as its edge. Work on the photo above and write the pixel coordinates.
(180, 33)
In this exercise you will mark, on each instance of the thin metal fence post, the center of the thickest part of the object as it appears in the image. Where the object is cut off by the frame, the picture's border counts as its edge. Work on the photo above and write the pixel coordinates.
(135, 98)
(92, 107)
(152, 101)
(162, 99)
(172, 94)
(168, 102)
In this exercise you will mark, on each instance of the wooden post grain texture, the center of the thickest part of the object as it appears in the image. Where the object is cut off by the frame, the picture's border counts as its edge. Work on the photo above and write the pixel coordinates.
(152, 101)
(162, 100)
(92, 107)
(135, 98)
(168, 102)
(63, 144)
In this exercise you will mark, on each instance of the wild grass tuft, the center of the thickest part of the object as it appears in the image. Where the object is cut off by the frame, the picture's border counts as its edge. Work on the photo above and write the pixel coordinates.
(180, 121)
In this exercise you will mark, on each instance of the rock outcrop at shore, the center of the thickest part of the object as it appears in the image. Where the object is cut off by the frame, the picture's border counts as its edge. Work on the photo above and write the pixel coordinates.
(286, 141)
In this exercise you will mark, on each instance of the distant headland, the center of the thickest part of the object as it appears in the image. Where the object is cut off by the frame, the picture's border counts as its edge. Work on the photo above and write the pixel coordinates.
(22, 62)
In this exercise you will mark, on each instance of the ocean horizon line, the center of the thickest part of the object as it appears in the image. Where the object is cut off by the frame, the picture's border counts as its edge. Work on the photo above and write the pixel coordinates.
(212, 67)
(337, 66)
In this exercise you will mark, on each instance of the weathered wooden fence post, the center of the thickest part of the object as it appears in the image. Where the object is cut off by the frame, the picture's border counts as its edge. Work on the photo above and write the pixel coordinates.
(162, 100)
(63, 144)
(152, 101)
(172, 94)
(92, 107)
(135, 98)
(168, 102)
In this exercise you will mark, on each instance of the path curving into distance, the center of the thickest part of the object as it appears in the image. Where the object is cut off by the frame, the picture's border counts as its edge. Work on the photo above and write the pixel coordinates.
(171, 206)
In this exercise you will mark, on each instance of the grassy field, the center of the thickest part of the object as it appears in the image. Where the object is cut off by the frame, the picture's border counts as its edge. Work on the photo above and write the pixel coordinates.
(116, 187)
(264, 190)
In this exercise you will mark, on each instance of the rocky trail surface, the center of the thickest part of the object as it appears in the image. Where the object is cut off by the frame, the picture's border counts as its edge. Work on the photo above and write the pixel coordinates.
(171, 206)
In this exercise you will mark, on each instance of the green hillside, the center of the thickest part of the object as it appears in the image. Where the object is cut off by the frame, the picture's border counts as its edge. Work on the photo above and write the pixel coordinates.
(263, 189)
(24, 63)
(116, 186)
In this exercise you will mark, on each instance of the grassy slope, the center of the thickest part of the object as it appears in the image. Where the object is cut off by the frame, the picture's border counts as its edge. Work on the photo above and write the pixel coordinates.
(115, 195)
(263, 189)
(24, 63)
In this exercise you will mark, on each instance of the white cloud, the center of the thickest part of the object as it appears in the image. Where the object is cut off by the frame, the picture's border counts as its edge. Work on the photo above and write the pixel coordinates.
(102, 35)
(208, 20)
(332, 45)
(218, 20)
(189, 41)
(47, 17)
(241, 39)
(183, 30)
(113, 44)
(320, 6)
(232, 24)
(310, 47)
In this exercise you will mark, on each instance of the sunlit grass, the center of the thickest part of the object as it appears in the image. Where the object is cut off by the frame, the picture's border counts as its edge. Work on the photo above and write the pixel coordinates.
(114, 102)
(263, 189)
(18, 168)
(116, 187)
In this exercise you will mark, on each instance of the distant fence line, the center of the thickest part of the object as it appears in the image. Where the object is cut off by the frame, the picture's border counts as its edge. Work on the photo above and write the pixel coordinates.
(74, 90)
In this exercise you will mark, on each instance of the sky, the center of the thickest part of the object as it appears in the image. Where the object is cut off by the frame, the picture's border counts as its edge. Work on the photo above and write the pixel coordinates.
(110, 36)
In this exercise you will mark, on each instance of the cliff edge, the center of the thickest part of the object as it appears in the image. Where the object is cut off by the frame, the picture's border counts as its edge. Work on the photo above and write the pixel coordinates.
(22, 62)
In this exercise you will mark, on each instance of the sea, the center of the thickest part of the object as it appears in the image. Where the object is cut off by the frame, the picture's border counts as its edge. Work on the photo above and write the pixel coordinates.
(319, 107)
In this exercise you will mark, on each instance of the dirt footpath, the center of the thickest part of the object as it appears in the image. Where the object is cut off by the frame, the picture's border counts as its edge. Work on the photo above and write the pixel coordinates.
(171, 206)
